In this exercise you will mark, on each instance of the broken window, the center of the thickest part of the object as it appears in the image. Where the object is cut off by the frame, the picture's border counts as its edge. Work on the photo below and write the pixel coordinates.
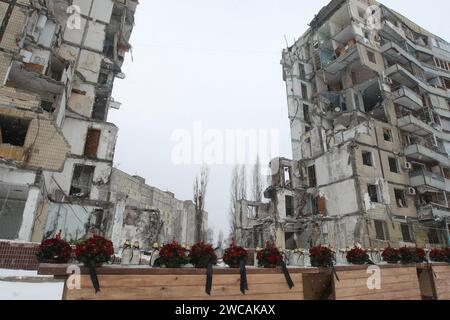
(302, 73)
(393, 165)
(100, 107)
(400, 198)
(371, 56)
(373, 193)
(367, 158)
(47, 106)
(381, 230)
(92, 142)
(312, 176)
(98, 219)
(306, 115)
(82, 181)
(304, 91)
(289, 206)
(13, 130)
(433, 236)
(290, 242)
(387, 135)
(407, 233)
(252, 212)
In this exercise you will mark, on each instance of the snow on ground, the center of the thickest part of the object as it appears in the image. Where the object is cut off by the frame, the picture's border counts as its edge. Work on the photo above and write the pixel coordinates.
(27, 285)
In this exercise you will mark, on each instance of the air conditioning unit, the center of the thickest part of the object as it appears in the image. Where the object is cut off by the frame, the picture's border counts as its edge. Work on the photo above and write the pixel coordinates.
(407, 166)
(412, 191)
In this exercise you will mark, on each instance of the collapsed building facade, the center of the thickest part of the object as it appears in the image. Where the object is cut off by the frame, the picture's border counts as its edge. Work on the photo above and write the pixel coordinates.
(369, 108)
(58, 63)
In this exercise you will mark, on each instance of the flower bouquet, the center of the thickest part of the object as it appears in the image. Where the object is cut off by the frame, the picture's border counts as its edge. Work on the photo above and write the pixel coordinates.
(233, 255)
(54, 250)
(269, 256)
(322, 256)
(202, 254)
(391, 255)
(358, 256)
(94, 251)
(411, 255)
(172, 255)
(440, 255)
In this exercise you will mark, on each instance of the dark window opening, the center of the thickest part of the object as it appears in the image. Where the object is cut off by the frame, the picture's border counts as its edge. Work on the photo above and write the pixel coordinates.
(287, 176)
(407, 233)
(302, 72)
(56, 69)
(304, 91)
(371, 57)
(400, 198)
(92, 142)
(100, 107)
(82, 181)
(367, 158)
(47, 106)
(109, 49)
(380, 228)
(306, 114)
(98, 219)
(290, 242)
(393, 165)
(373, 193)
(372, 98)
(13, 130)
(433, 236)
(387, 135)
(312, 176)
(307, 128)
(289, 206)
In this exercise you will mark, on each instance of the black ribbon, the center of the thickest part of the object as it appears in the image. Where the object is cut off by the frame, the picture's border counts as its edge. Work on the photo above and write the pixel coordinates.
(94, 278)
(335, 273)
(370, 262)
(287, 275)
(209, 274)
(243, 272)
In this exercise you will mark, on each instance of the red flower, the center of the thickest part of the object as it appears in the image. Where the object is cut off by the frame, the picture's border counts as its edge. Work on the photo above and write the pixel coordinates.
(270, 256)
(94, 250)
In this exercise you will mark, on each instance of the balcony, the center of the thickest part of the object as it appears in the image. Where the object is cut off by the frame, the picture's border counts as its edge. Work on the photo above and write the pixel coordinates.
(402, 76)
(418, 127)
(396, 53)
(429, 179)
(345, 56)
(406, 97)
(423, 153)
(392, 32)
(432, 212)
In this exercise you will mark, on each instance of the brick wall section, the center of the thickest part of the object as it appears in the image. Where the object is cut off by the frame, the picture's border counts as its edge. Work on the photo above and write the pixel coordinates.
(18, 256)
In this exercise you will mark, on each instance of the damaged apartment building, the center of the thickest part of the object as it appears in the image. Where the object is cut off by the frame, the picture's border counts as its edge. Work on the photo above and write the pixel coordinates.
(369, 108)
(58, 62)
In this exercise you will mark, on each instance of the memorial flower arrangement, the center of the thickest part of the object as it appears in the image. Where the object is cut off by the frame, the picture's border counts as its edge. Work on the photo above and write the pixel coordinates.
(233, 255)
(202, 254)
(391, 255)
(357, 255)
(322, 256)
(172, 255)
(440, 255)
(269, 256)
(94, 251)
(412, 255)
(54, 250)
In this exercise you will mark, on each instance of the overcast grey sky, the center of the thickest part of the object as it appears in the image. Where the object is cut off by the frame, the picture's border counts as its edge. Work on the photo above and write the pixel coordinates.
(217, 61)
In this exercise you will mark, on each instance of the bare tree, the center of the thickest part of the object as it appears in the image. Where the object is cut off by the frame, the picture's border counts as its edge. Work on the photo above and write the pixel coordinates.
(257, 183)
(220, 240)
(243, 183)
(233, 199)
(200, 187)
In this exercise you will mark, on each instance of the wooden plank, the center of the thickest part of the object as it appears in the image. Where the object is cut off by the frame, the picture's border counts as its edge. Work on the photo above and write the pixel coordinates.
(384, 280)
(361, 274)
(118, 281)
(179, 292)
(61, 270)
(442, 281)
(392, 287)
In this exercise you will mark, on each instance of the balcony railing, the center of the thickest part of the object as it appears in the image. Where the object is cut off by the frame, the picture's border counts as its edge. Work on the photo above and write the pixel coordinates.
(424, 153)
(408, 98)
(428, 178)
(433, 211)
